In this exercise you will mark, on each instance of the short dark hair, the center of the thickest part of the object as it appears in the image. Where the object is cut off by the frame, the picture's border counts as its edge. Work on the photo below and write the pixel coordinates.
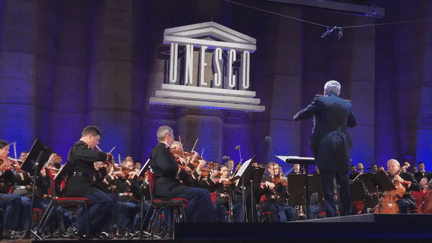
(419, 163)
(3, 143)
(93, 130)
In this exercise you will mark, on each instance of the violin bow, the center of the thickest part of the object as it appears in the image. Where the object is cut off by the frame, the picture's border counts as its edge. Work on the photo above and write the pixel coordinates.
(15, 151)
(182, 147)
(194, 145)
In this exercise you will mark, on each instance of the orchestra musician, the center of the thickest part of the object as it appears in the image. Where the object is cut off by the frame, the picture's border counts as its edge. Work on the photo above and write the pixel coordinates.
(224, 193)
(275, 191)
(14, 211)
(81, 159)
(296, 170)
(407, 202)
(422, 173)
(230, 165)
(166, 185)
(23, 156)
(128, 193)
(23, 186)
(331, 144)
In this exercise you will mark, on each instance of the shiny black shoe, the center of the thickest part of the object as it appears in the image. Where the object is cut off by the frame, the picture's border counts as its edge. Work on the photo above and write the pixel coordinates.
(73, 233)
(104, 236)
(7, 235)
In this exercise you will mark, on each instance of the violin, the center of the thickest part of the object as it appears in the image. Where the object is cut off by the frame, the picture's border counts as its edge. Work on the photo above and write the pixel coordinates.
(14, 164)
(188, 156)
(277, 179)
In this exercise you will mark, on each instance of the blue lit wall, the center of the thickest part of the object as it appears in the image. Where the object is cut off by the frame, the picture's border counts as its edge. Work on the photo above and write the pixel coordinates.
(87, 67)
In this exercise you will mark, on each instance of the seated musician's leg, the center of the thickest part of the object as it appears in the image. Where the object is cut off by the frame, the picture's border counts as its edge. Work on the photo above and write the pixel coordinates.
(100, 212)
(290, 213)
(221, 212)
(238, 212)
(12, 205)
(406, 204)
(200, 207)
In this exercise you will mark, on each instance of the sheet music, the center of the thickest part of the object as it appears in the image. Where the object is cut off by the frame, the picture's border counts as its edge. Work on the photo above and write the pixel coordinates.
(243, 168)
(284, 158)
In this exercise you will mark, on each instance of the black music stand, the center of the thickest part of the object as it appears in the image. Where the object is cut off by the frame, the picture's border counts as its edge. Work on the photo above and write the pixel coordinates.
(381, 182)
(305, 162)
(297, 185)
(357, 190)
(39, 153)
(142, 199)
(250, 177)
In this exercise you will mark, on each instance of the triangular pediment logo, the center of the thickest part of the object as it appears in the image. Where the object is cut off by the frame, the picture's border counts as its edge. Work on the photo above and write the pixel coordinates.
(208, 66)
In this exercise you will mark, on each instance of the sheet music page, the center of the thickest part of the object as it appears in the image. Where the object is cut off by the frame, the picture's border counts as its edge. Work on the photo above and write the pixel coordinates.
(284, 158)
(243, 168)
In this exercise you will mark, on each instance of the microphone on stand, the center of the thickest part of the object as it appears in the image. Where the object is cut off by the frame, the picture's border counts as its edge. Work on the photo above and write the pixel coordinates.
(225, 157)
(238, 148)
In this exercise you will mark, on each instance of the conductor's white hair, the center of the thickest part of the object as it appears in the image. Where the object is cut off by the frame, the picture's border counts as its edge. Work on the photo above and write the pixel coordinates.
(332, 86)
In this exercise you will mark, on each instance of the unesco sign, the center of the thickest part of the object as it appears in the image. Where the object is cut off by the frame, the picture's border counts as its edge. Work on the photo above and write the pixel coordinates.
(209, 67)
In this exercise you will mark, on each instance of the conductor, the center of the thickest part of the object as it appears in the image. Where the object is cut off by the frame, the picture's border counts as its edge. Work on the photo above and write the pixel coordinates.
(331, 144)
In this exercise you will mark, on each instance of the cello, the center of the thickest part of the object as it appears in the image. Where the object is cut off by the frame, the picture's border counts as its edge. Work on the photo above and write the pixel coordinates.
(388, 202)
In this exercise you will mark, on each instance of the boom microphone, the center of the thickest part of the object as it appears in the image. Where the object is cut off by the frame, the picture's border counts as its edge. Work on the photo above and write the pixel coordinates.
(225, 157)
(268, 139)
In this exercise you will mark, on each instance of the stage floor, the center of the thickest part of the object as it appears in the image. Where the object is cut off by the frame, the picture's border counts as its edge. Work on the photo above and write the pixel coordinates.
(356, 228)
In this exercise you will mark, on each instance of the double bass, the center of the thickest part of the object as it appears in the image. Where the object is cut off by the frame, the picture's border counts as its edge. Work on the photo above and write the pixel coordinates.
(388, 202)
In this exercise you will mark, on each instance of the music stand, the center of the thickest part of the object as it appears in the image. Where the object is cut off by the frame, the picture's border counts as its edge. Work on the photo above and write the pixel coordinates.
(242, 173)
(358, 193)
(378, 182)
(297, 185)
(142, 199)
(304, 161)
(38, 153)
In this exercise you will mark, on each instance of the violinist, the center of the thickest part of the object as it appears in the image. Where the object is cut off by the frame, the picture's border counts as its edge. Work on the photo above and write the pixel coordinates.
(128, 192)
(407, 202)
(43, 192)
(224, 192)
(185, 172)
(80, 183)
(274, 190)
(166, 185)
(14, 210)
(23, 156)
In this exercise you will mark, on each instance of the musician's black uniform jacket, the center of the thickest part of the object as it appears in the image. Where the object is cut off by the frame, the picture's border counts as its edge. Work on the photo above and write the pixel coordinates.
(81, 170)
(165, 170)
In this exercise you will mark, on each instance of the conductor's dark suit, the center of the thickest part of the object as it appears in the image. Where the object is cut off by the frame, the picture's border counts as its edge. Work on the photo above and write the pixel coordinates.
(331, 146)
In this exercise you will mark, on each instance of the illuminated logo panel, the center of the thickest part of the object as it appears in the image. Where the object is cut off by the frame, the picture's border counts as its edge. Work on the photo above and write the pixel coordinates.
(208, 67)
